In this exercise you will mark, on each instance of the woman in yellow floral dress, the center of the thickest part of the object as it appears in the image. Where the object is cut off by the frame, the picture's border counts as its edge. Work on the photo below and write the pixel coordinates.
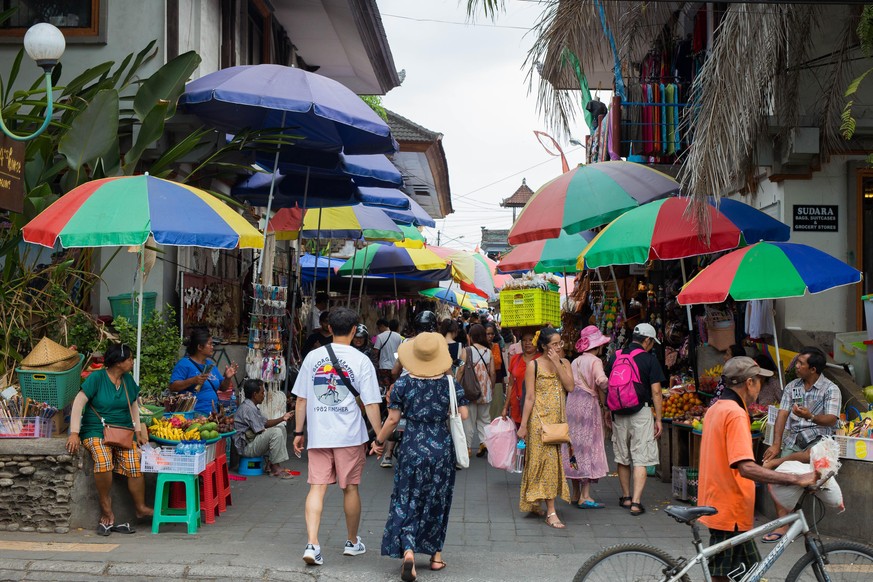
(543, 477)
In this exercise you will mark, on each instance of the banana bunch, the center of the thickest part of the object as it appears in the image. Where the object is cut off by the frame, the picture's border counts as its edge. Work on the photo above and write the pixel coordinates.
(713, 372)
(162, 429)
(192, 434)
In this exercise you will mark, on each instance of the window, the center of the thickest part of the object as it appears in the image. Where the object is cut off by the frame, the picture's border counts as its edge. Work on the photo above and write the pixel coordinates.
(79, 20)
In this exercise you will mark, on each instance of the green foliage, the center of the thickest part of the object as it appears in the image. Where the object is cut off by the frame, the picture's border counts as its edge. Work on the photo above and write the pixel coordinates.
(160, 348)
(93, 132)
(375, 103)
(84, 332)
(865, 34)
(865, 30)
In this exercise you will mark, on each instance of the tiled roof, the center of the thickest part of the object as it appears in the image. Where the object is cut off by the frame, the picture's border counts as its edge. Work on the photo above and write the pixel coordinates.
(404, 130)
(520, 197)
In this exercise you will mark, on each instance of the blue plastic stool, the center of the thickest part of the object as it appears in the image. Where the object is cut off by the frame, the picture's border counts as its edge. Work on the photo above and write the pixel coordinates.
(189, 515)
(251, 466)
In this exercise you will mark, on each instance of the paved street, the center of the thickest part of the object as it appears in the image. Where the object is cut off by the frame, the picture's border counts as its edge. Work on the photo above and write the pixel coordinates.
(262, 537)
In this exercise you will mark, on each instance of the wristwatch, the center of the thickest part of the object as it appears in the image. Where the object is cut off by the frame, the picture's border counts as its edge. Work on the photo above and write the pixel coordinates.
(298, 433)
(378, 443)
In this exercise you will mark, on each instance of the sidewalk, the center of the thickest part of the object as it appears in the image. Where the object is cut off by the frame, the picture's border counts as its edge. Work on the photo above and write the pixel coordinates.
(262, 536)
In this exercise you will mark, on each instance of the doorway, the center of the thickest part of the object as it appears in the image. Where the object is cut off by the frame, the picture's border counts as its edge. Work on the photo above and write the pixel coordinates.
(865, 236)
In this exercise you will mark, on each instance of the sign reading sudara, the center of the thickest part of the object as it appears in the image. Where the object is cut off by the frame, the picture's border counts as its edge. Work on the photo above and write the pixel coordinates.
(816, 217)
(11, 174)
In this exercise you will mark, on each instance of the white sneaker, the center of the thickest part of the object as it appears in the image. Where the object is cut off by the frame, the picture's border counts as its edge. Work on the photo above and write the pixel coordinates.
(354, 549)
(386, 463)
(312, 555)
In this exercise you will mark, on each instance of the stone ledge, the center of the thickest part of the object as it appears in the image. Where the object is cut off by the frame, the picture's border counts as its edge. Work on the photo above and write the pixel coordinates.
(30, 447)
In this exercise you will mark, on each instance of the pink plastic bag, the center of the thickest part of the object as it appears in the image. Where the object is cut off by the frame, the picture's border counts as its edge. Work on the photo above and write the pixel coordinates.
(500, 439)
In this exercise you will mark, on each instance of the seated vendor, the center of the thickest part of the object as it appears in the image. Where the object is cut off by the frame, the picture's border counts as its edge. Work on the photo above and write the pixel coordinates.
(197, 373)
(256, 436)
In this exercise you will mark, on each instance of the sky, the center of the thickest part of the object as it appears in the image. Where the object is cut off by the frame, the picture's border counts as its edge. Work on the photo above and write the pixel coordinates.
(466, 81)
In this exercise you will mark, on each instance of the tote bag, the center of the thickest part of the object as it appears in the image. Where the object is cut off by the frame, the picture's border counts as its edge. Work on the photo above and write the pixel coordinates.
(456, 427)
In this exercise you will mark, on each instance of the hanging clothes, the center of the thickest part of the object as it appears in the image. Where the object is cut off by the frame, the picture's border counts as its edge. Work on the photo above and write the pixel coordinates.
(759, 318)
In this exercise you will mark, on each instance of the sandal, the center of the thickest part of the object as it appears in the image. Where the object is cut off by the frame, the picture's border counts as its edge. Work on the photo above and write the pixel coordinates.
(104, 529)
(123, 528)
(772, 537)
(621, 502)
(406, 571)
(441, 565)
(555, 524)
(638, 507)
(588, 504)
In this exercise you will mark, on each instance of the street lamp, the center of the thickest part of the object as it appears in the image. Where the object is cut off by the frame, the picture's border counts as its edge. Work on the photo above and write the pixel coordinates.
(45, 44)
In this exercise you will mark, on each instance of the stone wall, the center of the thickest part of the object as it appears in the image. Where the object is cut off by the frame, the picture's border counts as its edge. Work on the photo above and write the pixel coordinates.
(36, 485)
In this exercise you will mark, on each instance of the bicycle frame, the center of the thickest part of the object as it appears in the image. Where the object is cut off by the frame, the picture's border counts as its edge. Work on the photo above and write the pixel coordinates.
(798, 527)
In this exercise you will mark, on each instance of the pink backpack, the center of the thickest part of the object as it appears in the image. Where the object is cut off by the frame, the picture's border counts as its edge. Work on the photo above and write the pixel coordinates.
(621, 392)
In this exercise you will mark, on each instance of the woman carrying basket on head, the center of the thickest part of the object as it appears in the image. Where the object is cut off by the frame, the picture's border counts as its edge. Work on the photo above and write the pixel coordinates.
(103, 411)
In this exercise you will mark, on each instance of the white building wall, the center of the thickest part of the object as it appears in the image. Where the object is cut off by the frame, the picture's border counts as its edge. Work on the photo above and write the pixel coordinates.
(832, 310)
(200, 30)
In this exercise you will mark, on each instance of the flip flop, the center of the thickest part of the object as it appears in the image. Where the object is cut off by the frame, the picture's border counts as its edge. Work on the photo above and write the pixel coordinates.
(442, 565)
(406, 571)
(123, 528)
(104, 529)
(588, 504)
(772, 538)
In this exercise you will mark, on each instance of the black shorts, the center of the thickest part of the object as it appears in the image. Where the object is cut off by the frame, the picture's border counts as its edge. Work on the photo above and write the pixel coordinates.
(732, 559)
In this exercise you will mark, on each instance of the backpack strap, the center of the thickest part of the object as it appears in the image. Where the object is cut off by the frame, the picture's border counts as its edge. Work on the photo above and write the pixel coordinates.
(339, 371)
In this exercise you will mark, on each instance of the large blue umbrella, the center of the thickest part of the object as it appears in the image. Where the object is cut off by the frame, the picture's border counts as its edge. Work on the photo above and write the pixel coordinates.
(328, 115)
(374, 170)
(318, 192)
(414, 214)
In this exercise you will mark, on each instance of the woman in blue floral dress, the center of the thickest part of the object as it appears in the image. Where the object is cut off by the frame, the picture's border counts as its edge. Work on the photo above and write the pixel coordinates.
(424, 474)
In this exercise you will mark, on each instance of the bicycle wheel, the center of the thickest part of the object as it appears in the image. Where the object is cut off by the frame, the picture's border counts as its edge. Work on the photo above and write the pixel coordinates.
(844, 561)
(636, 562)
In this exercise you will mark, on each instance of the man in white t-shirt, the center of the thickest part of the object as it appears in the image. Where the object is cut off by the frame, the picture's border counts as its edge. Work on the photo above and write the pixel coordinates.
(335, 431)
(385, 345)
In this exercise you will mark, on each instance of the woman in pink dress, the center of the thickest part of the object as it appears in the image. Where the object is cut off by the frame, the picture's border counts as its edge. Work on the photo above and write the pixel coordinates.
(585, 457)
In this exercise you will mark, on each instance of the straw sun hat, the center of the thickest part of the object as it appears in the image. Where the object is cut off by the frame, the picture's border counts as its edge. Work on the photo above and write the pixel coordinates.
(427, 355)
(50, 356)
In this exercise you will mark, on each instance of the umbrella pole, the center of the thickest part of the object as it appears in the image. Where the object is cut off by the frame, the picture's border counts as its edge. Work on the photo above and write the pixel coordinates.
(270, 200)
(329, 249)
(317, 256)
(776, 343)
(363, 276)
(692, 340)
(449, 288)
(300, 253)
(395, 285)
(139, 316)
(352, 278)
(566, 290)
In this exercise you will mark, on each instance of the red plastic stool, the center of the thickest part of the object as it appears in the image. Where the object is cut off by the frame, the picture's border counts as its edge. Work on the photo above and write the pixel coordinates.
(222, 479)
(209, 490)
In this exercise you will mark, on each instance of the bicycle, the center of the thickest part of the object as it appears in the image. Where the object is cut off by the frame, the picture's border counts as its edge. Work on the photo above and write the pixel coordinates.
(824, 562)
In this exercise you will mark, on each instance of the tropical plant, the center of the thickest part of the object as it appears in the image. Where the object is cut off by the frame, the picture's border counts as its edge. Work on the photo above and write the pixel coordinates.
(160, 348)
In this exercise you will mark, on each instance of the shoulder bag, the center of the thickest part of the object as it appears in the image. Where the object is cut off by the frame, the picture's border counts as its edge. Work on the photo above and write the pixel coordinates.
(456, 427)
(339, 371)
(556, 433)
(468, 380)
(113, 435)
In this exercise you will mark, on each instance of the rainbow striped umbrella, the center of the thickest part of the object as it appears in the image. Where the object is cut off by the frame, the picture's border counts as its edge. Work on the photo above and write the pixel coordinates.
(381, 259)
(552, 255)
(587, 197)
(460, 299)
(125, 210)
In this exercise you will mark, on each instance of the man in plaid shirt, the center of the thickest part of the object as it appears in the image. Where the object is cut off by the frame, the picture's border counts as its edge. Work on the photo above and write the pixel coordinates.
(809, 410)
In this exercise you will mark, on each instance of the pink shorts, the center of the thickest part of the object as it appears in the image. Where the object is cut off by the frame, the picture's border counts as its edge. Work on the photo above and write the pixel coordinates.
(342, 465)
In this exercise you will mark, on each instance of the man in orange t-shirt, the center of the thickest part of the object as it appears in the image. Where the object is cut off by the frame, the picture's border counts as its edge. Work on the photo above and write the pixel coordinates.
(728, 468)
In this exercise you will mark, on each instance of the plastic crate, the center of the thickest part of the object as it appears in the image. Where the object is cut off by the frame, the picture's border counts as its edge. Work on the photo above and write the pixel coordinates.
(685, 483)
(849, 348)
(528, 307)
(32, 427)
(165, 460)
(868, 314)
(855, 448)
(189, 415)
(54, 388)
(124, 306)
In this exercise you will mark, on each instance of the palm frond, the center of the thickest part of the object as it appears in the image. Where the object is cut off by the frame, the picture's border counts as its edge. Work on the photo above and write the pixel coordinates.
(831, 118)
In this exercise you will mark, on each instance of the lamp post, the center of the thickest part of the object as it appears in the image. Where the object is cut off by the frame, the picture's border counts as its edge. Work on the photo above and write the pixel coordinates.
(45, 44)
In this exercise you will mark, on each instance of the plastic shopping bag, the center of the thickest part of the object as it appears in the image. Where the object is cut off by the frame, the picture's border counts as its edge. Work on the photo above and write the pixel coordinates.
(500, 439)
(788, 495)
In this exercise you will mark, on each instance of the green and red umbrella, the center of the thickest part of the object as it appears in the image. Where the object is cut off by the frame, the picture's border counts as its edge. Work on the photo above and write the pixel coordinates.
(768, 271)
(553, 255)
(666, 229)
(587, 197)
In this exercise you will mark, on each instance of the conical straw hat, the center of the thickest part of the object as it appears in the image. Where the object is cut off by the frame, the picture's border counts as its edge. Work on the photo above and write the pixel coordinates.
(48, 352)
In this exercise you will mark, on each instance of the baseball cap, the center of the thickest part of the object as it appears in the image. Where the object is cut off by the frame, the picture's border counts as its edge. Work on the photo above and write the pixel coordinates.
(646, 330)
(739, 369)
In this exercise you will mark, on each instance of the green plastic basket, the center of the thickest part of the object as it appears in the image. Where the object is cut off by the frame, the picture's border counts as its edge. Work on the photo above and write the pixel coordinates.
(155, 411)
(125, 306)
(524, 307)
(54, 388)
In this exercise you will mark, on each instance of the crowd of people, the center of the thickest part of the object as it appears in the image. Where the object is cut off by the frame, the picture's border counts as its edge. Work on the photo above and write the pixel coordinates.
(358, 394)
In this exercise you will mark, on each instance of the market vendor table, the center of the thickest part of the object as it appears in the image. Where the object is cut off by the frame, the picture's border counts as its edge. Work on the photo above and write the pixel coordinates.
(679, 446)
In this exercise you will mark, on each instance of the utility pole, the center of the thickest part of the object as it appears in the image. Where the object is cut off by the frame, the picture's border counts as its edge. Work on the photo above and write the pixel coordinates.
(439, 232)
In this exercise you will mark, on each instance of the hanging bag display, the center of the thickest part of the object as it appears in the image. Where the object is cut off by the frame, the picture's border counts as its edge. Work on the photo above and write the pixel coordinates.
(113, 434)
(554, 433)
(456, 428)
